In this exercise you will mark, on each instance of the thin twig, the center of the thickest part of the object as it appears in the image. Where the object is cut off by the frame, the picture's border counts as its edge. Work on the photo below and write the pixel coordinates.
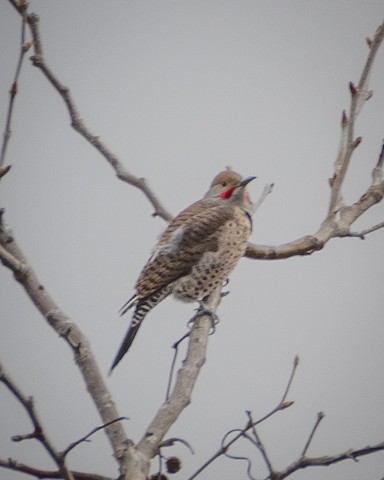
(259, 444)
(170, 442)
(320, 416)
(85, 438)
(264, 194)
(283, 404)
(175, 346)
(296, 362)
(365, 232)
(241, 457)
(14, 88)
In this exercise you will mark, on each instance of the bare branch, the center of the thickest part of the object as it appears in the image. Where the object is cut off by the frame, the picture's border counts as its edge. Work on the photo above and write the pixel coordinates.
(24, 47)
(282, 405)
(259, 444)
(340, 217)
(169, 442)
(264, 194)
(332, 227)
(11, 464)
(296, 362)
(86, 437)
(175, 346)
(303, 246)
(320, 416)
(241, 457)
(325, 461)
(13, 258)
(39, 433)
(180, 396)
(299, 464)
(38, 60)
(359, 95)
(78, 124)
(365, 232)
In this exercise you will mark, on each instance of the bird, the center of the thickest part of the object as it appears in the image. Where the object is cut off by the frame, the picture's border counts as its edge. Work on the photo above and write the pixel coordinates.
(196, 252)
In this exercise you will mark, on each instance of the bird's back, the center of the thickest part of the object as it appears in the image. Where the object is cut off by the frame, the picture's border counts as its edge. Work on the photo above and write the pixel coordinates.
(194, 232)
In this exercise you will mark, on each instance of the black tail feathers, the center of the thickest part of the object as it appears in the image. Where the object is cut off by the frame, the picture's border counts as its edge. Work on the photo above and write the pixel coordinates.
(128, 339)
(142, 308)
(129, 304)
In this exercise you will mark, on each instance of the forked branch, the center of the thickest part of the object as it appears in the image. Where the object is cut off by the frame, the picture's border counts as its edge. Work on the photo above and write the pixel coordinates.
(250, 433)
(241, 433)
(38, 431)
(13, 258)
(340, 217)
(77, 122)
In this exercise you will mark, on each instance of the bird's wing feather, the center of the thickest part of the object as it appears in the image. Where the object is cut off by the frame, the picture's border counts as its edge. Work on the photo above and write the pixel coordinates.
(196, 230)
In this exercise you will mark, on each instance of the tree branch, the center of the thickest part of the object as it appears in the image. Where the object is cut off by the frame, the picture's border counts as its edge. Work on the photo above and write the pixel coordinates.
(38, 433)
(325, 461)
(86, 437)
(339, 217)
(11, 464)
(225, 445)
(24, 47)
(319, 418)
(78, 124)
(13, 258)
(179, 398)
(359, 95)
(259, 444)
(365, 232)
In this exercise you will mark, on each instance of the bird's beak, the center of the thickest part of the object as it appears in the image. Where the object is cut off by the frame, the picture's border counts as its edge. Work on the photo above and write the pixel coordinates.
(245, 181)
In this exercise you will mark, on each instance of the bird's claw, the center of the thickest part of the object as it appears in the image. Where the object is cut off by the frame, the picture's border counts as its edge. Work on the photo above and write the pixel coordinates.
(202, 311)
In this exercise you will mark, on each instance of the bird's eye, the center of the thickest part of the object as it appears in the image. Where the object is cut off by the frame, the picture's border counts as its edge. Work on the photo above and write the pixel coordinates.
(224, 184)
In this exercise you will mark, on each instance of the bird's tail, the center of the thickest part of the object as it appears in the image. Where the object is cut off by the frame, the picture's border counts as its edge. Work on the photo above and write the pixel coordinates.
(142, 308)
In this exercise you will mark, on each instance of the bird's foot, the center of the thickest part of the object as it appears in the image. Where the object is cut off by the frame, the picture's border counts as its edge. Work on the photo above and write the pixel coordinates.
(201, 311)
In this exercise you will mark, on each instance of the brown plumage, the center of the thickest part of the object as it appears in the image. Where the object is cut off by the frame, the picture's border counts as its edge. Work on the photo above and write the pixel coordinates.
(196, 252)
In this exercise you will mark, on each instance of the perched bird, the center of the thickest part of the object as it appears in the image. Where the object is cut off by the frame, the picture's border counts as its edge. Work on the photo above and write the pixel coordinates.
(196, 252)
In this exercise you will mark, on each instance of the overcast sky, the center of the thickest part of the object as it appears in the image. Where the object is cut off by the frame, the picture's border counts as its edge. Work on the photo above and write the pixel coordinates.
(178, 90)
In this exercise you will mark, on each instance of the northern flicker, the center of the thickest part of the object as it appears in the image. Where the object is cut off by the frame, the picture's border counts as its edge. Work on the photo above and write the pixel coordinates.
(196, 253)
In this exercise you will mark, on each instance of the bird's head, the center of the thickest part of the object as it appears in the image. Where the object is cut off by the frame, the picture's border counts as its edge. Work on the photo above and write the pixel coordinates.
(229, 187)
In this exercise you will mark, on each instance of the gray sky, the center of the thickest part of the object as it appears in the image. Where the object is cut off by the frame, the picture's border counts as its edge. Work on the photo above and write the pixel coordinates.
(179, 90)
